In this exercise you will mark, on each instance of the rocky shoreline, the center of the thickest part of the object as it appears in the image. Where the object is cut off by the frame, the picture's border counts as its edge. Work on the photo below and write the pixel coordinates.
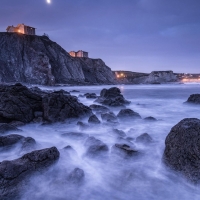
(20, 105)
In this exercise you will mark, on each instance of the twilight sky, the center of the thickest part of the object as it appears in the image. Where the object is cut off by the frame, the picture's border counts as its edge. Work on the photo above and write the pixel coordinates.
(135, 35)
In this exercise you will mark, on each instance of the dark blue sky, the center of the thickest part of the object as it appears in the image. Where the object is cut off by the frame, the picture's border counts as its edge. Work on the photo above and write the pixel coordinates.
(136, 35)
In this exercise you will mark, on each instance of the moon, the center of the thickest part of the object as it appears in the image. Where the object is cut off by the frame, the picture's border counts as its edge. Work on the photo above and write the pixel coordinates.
(48, 1)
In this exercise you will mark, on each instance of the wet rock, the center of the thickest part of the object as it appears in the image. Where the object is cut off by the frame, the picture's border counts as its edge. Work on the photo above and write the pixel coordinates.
(128, 114)
(119, 133)
(18, 103)
(194, 99)
(17, 123)
(109, 117)
(124, 150)
(10, 140)
(4, 128)
(112, 97)
(96, 147)
(93, 120)
(76, 176)
(28, 144)
(144, 138)
(150, 119)
(90, 95)
(182, 149)
(99, 108)
(14, 173)
(75, 91)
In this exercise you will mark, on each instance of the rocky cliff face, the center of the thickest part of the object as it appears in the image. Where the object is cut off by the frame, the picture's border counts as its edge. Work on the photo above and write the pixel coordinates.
(38, 60)
(161, 77)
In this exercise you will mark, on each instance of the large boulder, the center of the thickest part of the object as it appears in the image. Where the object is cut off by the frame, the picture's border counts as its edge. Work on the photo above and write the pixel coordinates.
(128, 114)
(18, 103)
(112, 97)
(194, 99)
(14, 173)
(182, 149)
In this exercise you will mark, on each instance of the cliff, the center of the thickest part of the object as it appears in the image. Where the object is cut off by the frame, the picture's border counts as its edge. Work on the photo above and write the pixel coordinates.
(38, 60)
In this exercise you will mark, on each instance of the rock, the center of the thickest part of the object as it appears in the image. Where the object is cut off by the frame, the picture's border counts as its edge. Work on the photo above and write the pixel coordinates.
(119, 133)
(112, 97)
(75, 91)
(93, 120)
(150, 119)
(10, 140)
(99, 108)
(58, 107)
(157, 77)
(124, 150)
(28, 144)
(182, 149)
(18, 103)
(109, 117)
(76, 176)
(4, 128)
(96, 147)
(90, 95)
(128, 114)
(194, 99)
(144, 138)
(35, 59)
(14, 173)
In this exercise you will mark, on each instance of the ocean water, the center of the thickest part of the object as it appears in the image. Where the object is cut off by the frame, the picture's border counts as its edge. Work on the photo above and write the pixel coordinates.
(114, 178)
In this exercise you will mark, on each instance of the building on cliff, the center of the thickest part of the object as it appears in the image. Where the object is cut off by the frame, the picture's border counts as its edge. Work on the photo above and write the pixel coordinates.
(79, 54)
(21, 28)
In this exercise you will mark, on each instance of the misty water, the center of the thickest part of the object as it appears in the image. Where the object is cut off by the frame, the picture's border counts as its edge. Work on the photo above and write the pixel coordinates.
(139, 178)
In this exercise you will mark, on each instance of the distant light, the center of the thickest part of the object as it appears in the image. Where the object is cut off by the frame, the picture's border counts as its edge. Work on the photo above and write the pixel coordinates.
(48, 1)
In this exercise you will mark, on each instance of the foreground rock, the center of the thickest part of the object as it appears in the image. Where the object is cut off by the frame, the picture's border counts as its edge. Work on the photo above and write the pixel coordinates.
(182, 149)
(14, 173)
(112, 97)
(128, 114)
(96, 148)
(194, 99)
(4, 128)
(18, 103)
(145, 138)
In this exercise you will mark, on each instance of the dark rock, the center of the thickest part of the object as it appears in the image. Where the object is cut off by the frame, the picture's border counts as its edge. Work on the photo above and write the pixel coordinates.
(128, 114)
(17, 123)
(7, 128)
(182, 149)
(150, 119)
(90, 95)
(10, 140)
(58, 107)
(75, 91)
(99, 108)
(93, 120)
(109, 116)
(120, 133)
(124, 150)
(144, 138)
(14, 173)
(76, 176)
(95, 147)
(194, 99)
(28, 144)
(18, 103)
(112, 97)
